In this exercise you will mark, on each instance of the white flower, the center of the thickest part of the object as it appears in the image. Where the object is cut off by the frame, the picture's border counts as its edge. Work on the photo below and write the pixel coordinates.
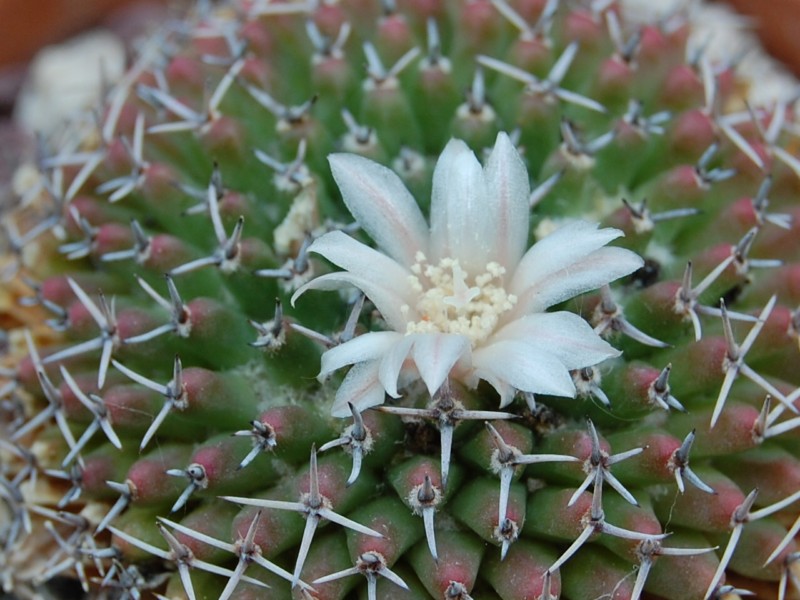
(463, 298)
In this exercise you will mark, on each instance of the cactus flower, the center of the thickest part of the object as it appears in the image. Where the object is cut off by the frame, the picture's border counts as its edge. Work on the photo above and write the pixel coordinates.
(463, 297)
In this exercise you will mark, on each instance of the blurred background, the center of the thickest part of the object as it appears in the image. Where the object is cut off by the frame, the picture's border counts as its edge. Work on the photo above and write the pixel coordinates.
(778, 24)
(28, 26)
(103, 29)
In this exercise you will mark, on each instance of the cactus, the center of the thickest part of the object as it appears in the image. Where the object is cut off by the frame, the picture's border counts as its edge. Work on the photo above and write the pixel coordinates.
(450, 300)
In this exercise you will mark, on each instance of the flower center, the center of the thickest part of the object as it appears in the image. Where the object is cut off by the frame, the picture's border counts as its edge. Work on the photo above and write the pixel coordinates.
(450, 303)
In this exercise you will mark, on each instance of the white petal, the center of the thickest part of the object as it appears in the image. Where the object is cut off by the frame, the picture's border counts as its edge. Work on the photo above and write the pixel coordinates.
(460, 212)
(382, 205)
(435, 354)
(369, 346)
(350, 254)
(361, 388)
(559, 250)
(385, 300)
(392, 364)
(565, 335)
(359, 259)
(524, 368)
(504, 389)
(587, 273)
(508, 188)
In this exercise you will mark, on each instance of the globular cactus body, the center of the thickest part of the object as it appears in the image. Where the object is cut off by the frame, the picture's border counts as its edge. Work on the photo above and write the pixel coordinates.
(564, 257)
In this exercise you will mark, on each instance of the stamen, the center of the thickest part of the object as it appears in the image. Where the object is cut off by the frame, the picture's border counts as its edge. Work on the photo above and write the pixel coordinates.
(448, 304)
